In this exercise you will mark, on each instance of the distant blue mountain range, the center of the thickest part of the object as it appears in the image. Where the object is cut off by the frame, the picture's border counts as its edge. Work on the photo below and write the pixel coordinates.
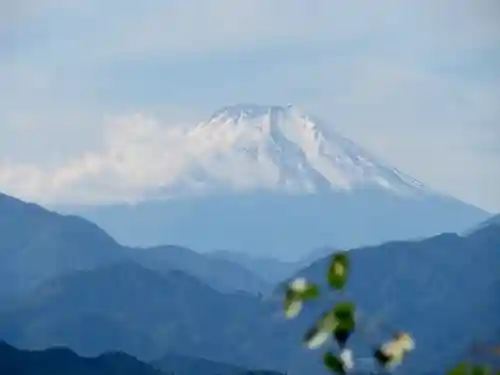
(37, 244)
(66, 282)
(63, 361)
(283, 226)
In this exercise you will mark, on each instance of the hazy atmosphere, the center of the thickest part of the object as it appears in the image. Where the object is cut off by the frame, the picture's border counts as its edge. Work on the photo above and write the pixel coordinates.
(249, 187)
(84, 83)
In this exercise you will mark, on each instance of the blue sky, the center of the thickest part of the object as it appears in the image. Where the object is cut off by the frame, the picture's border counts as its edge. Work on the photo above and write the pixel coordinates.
(415, 82)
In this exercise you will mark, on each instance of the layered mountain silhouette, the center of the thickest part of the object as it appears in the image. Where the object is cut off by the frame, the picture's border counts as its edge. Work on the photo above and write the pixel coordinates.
(37, 245)
(493, 220)
(225, 274)
(130, 308)
(183, 365)
(271, 269)
(63, 361)
(271, 180)
(268, 268)
(444, 290)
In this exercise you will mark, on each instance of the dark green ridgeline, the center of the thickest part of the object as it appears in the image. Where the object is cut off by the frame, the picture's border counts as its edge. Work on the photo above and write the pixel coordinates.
(63, 361)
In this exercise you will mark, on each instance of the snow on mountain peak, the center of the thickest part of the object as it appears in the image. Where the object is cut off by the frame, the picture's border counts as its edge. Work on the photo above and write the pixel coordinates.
(253, 147)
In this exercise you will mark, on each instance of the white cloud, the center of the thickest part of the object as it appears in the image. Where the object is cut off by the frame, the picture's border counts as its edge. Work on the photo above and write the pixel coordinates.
(138, 154)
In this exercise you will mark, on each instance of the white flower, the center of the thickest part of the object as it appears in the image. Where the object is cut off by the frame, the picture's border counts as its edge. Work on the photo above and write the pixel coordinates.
(394, 352)
(396, 349)
(406, 342)
(293, 303)
(299, 285)
(347, 359)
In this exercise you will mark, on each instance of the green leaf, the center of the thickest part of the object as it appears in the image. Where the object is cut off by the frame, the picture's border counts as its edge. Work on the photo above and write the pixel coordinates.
(338, 271)
(341, 336)
(333, 363)
(289, 295)
(461, 369)
(311, 292)
(319, 333)
(298, 291)
(292, 307)
(344, 313)
(301, 289)
(480, 370)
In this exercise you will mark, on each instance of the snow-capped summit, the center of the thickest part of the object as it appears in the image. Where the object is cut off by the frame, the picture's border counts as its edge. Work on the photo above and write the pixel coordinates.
(256, 172)
(254, 147)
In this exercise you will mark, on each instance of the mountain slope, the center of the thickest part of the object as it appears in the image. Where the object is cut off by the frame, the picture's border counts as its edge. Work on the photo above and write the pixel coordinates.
(281, 148)
(493, 220)
(62, 361)
(130, 308)
(283, 226)
(273, 180)
(183, 365)
(36, 245)
(444, 290)
(223, 274)
(271, 269)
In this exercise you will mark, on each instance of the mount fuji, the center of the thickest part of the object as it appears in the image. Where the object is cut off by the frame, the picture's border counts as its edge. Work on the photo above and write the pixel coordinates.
(245, 148)
(274, 180)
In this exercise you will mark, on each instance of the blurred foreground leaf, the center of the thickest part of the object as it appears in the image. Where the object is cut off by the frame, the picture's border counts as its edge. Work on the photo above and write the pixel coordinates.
(338, 271)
